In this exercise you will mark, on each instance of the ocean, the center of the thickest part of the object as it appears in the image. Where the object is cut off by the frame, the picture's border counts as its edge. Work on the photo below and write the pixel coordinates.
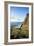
(15, 24)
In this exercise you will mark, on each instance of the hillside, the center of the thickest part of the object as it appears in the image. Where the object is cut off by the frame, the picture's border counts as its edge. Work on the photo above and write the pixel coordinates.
(25, 26)
(23, 31)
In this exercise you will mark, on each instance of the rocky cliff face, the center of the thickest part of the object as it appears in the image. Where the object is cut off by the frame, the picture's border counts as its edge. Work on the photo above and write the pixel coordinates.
(25, 25)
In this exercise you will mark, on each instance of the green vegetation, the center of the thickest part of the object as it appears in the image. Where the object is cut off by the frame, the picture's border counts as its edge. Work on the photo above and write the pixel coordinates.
(19, 33)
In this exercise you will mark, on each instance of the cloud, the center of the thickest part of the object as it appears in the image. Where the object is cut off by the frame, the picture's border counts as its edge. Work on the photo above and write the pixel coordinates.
(16, 19)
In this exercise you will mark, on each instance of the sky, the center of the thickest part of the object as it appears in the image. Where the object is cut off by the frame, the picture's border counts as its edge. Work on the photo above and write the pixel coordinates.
(18, 14)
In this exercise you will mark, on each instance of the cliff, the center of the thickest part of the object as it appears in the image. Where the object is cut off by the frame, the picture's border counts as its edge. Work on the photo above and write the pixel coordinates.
(25, 26)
